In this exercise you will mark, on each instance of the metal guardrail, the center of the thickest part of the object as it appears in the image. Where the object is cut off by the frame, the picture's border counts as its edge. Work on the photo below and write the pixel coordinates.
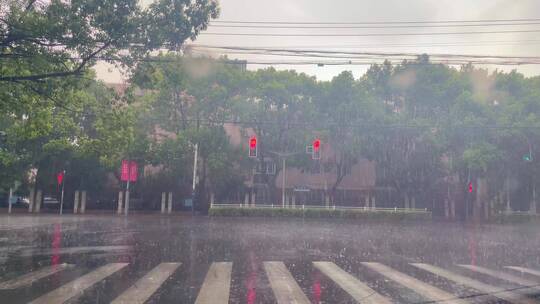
(405, 210)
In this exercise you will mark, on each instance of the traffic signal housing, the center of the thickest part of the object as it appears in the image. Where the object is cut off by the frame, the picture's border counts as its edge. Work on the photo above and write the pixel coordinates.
(253, 146)
(316, 153)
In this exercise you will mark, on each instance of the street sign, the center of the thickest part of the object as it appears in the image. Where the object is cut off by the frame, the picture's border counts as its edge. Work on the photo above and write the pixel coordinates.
(302, 189)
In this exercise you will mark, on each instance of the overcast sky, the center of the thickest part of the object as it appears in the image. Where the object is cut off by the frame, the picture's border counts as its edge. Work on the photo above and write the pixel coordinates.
(375, 11)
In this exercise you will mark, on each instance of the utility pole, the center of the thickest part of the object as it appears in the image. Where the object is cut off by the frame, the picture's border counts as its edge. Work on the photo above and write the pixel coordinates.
(508, 208)
(194, 184)
(529, 158)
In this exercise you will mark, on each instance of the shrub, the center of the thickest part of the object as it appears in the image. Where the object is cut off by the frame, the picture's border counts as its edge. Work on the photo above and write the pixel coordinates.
(516, 217)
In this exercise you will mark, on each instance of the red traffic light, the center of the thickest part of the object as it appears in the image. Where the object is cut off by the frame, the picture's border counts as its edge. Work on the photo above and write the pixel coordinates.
(470, 188)
(253, 147)
(60, 177)
(316, 144)
(253, 142)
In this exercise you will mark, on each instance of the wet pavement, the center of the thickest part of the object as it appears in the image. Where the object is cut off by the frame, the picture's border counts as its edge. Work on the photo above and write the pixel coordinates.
(178, 259)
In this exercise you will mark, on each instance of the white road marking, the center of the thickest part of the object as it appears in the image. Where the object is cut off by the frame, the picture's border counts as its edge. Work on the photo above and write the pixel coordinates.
(283, 284)
(356, 289)
(505, 276)
(524, 270)
(485, 288)
(426, 290)
(77, 286)
(216, 286)
(72, 250)
(31, 277)
(146, 286)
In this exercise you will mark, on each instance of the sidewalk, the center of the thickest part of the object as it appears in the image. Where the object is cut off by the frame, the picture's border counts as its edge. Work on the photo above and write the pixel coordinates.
(69, 212)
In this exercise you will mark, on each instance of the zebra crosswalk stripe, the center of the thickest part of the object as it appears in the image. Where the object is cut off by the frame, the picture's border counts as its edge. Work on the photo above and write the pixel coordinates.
(283, 284)
(31, 277)
(355, 288)
(524, 270)
(146, 286)
(215, 289)
(426, 290)
(485, 288)
(77, 286)
(533, 286)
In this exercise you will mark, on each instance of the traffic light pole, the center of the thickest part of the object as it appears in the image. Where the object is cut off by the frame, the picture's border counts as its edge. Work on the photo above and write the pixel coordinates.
(283, 183)
(126, 205)
(9, 199)
(284, 171)
(62, 195)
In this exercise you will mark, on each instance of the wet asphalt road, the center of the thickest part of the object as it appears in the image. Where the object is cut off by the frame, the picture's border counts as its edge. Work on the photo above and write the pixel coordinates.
(29, 243)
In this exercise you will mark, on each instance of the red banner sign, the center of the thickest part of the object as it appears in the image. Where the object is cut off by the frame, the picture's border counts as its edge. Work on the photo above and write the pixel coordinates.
(125, 170)
(129, 171)
(133, 171)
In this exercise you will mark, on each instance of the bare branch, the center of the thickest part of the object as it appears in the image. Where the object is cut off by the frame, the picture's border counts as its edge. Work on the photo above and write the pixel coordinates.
(30, 5)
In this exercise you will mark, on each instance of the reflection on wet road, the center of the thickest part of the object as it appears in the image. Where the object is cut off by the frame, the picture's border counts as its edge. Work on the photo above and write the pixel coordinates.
(154, 259)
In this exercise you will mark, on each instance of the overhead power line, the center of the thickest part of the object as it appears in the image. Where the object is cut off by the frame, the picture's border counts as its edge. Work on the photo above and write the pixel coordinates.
(363, 58)
(344, 26)
(308, 52)
(373, 60)
(365, 34)
(379, 22)
(383, 45)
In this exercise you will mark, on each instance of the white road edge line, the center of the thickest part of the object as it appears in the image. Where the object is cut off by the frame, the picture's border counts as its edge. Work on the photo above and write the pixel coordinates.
(524, 270)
